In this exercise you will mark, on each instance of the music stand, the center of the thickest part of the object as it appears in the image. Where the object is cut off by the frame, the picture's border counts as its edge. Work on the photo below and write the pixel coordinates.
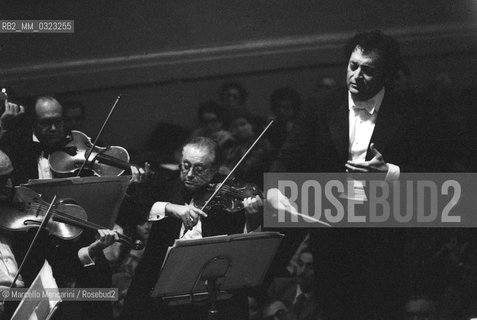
(211, 267)
(37, 304)
(99, 196)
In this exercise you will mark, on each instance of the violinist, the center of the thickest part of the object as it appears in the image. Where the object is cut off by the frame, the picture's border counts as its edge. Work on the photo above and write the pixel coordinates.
(167, 202)
(29, 148)
(11, 246)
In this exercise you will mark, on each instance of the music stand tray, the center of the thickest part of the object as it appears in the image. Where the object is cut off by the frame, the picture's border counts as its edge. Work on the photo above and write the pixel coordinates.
(210, 266)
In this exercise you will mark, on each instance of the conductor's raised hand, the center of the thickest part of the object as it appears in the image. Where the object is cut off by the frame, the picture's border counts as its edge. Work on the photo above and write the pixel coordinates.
(376, 164)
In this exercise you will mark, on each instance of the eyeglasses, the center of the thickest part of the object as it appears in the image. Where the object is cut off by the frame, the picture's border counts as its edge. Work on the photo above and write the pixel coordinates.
(48, 123)
(198, 169)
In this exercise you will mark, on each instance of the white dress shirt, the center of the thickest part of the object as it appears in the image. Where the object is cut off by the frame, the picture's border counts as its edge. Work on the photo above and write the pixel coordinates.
(158, 212)
(44, 171)
(8, 265)
(362, 120)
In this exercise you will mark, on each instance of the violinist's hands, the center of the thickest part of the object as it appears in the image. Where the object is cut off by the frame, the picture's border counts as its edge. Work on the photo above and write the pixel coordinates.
(376, 164)
(106, 238)
(140, 174)
(187, 213)
(253, 210)
(12, 111)
(114, 251)
(252, 205)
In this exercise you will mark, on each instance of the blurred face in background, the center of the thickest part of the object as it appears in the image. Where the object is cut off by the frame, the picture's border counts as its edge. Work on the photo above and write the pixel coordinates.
(211, 122)
(231, 98)
(305, 272)
(241, 129)
(143, 230)
(74, 119)
(284, 110)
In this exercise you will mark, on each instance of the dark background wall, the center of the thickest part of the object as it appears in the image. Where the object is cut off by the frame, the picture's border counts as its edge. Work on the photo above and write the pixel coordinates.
(166, 56)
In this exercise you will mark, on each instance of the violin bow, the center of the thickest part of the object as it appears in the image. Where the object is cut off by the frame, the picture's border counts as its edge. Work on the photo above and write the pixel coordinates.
(98, 135)
(46, 219)
(236, 166)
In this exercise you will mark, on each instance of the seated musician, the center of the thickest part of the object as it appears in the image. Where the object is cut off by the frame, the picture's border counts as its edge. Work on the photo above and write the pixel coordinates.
(29, 143)
(167, 201)
(10, 248)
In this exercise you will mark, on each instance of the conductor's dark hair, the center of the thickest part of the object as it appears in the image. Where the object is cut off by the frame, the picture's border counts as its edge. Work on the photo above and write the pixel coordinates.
(212, 148)
(386, 46)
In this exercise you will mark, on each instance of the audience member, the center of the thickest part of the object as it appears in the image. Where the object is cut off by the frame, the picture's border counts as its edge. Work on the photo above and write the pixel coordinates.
(298, 293)
(233, 97)
(74, 115)
(245, 130)
(285, 104)
(212, 122)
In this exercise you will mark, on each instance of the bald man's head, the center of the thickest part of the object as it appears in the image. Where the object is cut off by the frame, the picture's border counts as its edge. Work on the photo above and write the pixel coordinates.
(49, 125)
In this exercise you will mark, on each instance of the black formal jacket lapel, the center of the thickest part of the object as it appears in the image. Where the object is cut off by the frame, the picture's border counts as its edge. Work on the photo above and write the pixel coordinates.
(388, 125)
(338, 124)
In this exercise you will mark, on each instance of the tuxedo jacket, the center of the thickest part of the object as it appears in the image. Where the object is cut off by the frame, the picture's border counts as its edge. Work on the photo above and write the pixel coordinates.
(319, 141)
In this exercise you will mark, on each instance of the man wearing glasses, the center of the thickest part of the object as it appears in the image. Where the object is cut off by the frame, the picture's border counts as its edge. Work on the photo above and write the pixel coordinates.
(168, 201)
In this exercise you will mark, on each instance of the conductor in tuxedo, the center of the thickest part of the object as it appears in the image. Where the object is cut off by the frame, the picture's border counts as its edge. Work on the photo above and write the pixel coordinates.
(368, 128)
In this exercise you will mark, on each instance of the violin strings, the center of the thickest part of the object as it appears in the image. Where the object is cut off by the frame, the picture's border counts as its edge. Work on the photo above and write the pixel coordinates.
(86, 224)
(74, 219)
(235, 192)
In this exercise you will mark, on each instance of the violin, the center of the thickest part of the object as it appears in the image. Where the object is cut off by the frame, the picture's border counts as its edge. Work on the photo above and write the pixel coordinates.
(28, 209)
(229, 198)
(229, 194)
(79, 153)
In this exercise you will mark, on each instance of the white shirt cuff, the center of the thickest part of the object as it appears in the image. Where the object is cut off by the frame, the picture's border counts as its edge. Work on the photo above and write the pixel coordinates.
(393, 172)
(85, 258)
(158, 211)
